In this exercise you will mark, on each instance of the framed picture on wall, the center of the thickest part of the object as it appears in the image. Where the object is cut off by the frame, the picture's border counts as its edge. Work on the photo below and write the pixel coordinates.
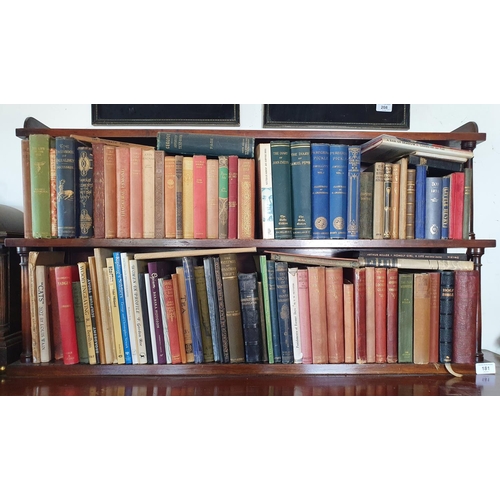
(209, 115)
(365, 116)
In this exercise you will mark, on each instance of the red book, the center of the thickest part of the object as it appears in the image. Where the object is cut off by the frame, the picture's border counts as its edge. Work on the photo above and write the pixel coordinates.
(370, 315)
(98, 153)
(435, 285)
(135, 199)
(232, 222)
(172, 323)
(360, 313)
(334, 279)
(349, 324)
(246, 198)
(65, 275)
(109, 192)
(457, 189)
(380, 315)
(317, 306)
(212, 198)
(304, 316)
(200, 196)
(55, 323)
(123, 192)
(465, 316)
(392, 315)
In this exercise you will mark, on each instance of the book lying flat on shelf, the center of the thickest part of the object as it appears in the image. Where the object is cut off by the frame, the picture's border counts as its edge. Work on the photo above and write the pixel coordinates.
(174, 254)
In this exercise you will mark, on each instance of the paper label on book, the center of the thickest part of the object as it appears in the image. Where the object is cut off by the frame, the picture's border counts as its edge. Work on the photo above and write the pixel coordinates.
(384, 108)
(482, 368)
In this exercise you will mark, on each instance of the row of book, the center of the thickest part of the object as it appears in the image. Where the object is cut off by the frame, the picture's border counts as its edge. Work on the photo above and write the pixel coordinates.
(237, 306)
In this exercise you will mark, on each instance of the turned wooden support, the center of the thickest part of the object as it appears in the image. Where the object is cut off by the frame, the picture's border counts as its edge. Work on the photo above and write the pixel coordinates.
(470, 146)
(26, 354)
(475, 255)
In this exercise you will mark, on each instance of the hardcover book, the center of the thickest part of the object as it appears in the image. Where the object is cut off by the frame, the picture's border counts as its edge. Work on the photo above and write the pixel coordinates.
(300, 166)
(246, 198)
(457, 188)
(43, 301)
(421, 318)
(395, 191)
(226, 358)
(115, 312)
(366, 205)
(392, 315)
(163, 312)
(150, 314)
(180, 297)
(273, 311)
(353, 173)
(420, 201)
(212, 198)
(317, 305)
(143, 293)
(433, 208)
(250, 314)
(26, 175)
(99, 206)
(305, 316)
(445, 207)
(438, 165)
(94, 294)
(334, 289)
(187, 197)
(223, 196)
(146, 205)
(265, 189)
(410, 203)
(213, 308)
(136, 208)
(378, 200)
(175, 336)
(129, 305)
(320, 190)
(359, 282)
(293, 290)
(282, 197)
(403, 189)
(137, 309)
(284, 318)
(467, 202)
(446, 314)
(110, 192)
(387, 231)
(349, 324)
(85, 158)
(338, 164)
(122, 192)
(370, 314)
(92, 345)
(66, 174)
(232, 197)
(266, 306)
(169, 196)
(435, 291)
(200, 196)
(381, 314)
(206, 330)
(179, 197)
(405, 318)
(81, 334)
(154, 165)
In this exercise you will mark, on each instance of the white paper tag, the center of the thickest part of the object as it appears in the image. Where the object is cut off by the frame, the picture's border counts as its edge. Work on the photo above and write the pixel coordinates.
(384, 108)
(482, 368)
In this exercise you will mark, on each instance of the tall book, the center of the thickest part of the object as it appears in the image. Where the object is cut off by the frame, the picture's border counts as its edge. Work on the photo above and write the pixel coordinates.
(246, 198)
(435, 290)
(284, 317)
(163, 180)
(86, 192)
(445, 207)
(187, 143)
(320, 190)
(92, 344)
(26, 176)
(300, 166)
(123, 192)
(317, 305)
(250, 315)
(334, 290)
(151, 320)
(410, 203)
(175, 335)
(263, 332)
(293, 290)
(465, 316)
(94, 295)
(274, 311)
(145, 311)
(43, 301)
(282, 189)
(81, 334)
(180, 298)
(229, 275)
(213, 312)
(206, 329)
(387, 200)
(115, 313)
(304, 316)
(66, 175)
(212, 198)
(226, 358)
(457, 188)
(110, 203)
(223, 195)
(366, 205)
(349, 324)
(55, 324)
(359, 282)
(403, 186)
(467, 202)
(446, 315)
(392, 315)
(421, 318)
(265, 189)
(381, 314)
(163, 312)
(420, 187)
(179, 197)
(405, 318)
(370, 315)
(168, 230)
(338, 179)
(137, 310)
(395, 201)
(146, 205)
(378, 200)
(200, 196)
(232, 196)
(353, 173)
(433, 207)
(266, 306)
(129, 306)
(187, 197)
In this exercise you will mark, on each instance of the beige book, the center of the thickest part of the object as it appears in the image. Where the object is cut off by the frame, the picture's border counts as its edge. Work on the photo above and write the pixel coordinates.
(403, 180)
(148, 193)
(212, 198)
(187, 198)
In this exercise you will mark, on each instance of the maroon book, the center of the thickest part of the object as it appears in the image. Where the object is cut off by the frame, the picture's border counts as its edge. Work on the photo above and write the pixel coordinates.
(232, 223)
(392, 315)
(380, 315)
(360, 314)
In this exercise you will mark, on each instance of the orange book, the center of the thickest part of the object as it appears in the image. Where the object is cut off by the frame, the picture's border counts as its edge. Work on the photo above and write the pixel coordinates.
(334, 277)
(172, 321)
(158, 162)
(150, 205)
(380, 315)
(317, 306)
(370, 315)
(187, 198)
(360, 313)
(110, 200)
(200, 196)
(349, 324)
(212, 198)
(135, 190)
(246, 198)
(435, 286)
(169, 197)
(421, 318)
(392, 315)
(304, 316)
(122, 192)
(178, 313)
(180, 281)
(232, 195)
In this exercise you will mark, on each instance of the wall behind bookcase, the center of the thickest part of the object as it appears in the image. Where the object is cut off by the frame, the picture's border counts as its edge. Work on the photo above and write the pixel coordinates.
(423, 118)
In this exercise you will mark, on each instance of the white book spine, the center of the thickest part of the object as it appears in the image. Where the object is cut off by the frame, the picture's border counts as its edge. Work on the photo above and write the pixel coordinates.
(293, 286)
(168, 352)
(43, 313)
(266, 189)
(139, 323)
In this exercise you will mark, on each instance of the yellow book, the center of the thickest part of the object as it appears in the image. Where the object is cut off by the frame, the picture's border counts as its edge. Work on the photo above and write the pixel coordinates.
(115, 312)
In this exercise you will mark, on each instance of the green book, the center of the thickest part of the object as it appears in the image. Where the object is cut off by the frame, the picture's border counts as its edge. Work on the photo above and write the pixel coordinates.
(81, 335)
(366, 206)
(300, 166)
(223, 196)
(40, 185)
(282, 189)
(267, 309)
(405, 318)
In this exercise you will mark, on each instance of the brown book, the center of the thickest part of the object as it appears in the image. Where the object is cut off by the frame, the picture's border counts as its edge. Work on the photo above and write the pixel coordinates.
(212, 198)
(246, 198)
(403, 181)
(349, 324)
(123, 192)
(317, 306)
(380, 315)
(169, 198)
(421, 318)
(178, 314)
(392, 315)
(136, 193)
(187, 197)
(180, 281)
(152, 205)
(334, 285)
(160, 184)
(97, 307)
(25, 159)
(410, 203)
(179, 229)
(99, 189)
(465, 316)
(395, 191)
(359, 281)
(378, 200)
(435, 286)
(176, 340)
(110, 218)
(92, 345)
(370, 315)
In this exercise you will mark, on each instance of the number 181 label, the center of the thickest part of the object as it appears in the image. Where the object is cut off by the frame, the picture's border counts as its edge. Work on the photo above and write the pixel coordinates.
(482, 368)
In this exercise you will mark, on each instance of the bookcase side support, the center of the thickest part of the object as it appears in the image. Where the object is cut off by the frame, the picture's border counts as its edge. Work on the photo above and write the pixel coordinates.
(475, 254)
(470, 145)
(26, 354)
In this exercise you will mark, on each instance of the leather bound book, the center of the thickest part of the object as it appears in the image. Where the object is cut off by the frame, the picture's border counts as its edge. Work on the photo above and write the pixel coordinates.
(446, 314)
(179, 197)
(420, 187)
(435, 284)
(421, 318)
(206, 329)
(410, 203)
(445, 207)
(334, 288)
(223, 196)
(66, 175)
(222, 310)
(465, 316)
(99, 188)
(200, 196)
(284, 316)
(405, 318)
(246, 198)
(320, 190)
(370, 315)
(212, 198)
(392, 314)
(232, 195)
(110, 201)
(151, 202)
(43, 301)
(359, 282)
(250, 314)
(185, 343)
(300, 166)
(123, 192)
(457, 188)
(229, 275)
(349, 324)
(25, 162)
(305, 317)
(85, 184)
(187, 197)
(317, 306)
(282, 196)
(273, 310)
(213, 308)
(381, 314)
(157, 161)
(92, 346)
(135, 192)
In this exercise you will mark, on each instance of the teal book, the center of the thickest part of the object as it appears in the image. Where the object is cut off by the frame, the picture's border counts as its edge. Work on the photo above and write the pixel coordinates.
(66, 182)
(405, 318)
(85, 159)
(338, 190)
(122, 308)
(284, 313)
(353, 191)
(273, 311)
(320, 190)
(300, 164)
(267, 309)
(282, 189)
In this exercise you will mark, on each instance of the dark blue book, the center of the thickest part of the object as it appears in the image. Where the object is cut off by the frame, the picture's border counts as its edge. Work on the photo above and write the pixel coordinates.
(66, 168)
(353, 191)
(193, 309)
(250, 316)
(282, 189)
(420, 186)
(145, 317)
(122, 307)
(446, 315)
(320, 190)
(284, 315)
(433, 207)
(85, 158)
(300, 165)
(445, 208)
(273, 308)
(338, 190)
(221, 304)
(213, 308)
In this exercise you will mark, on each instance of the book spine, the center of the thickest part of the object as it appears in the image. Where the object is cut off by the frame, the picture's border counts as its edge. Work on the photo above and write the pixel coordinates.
(165, 224)
(360, 314)
(304, 316)
(320, 190)
(185, 344)
(223, 196)
(85, 158)
(200, 196)
(150, 209)
(263, 332)
(151, 317)
(55, 324)
(317, 305)
(26, 175)
(395, 190)
(370, 315)
(445, 207)
(81, 334)
(338, 179)
(166, 338)
(295, 313)
(96, 297)
(387, 201)
(40, 185)
(188, 197)
(232, 195)
(421, 318)
(300, 166)
(284, 319)
(155, 272)
(266, 306)
(467, 202)
(129, 306)
(282, 195)
(263, 154)
(205, 144)
(381, 315)
(42, 298)
(171, 320)
(410, 203)
(392, 315)
(137, 310)
(93, 319)
(349, 324)
(53, 189)
(222, 311)
(366, 205)
(433, 208)
(446, 308)
(212, 198)
(115, 311)
(143, 304)
(420, 184)
(206, 330)
(213, 312)
(122, 308)
(122, 192)
(378, 200)
(403, 187)
(66, 165)
(334, 288)
(179, 197)
(405, 318)
(246, 198)
(136, 194)
(110, 200)
(435, 290)
(274, 312)
(250, 315)
(99, 206)
(353, 173)
(82, 269)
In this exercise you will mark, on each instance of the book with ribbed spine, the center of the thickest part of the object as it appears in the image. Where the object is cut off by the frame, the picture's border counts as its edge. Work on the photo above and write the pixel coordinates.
(318, 314)
(320, 189)
(370, 314)
(250, 316)
(246, 198)
(387, 200)
(353, 173)
(85, 162)
(446, 310)
(53, 189)
(99, 188)
(266, 306)
(405, 318)
(232, 197)
(66, 175)
(293, 288)
(265, 189)
(395, 200)
(205, 144)
(223, 196)
(213, 311)
(338, 162)
(378, 169)
(300, 166)
(273, 311)
(410, 203)
(334, 290)
(282, 195)
(206, 329)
